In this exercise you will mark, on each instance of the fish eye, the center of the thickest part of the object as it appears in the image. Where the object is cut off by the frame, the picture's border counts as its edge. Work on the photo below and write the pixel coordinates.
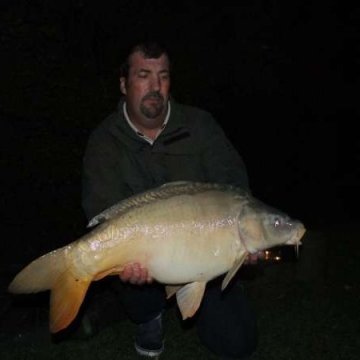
(277, 222)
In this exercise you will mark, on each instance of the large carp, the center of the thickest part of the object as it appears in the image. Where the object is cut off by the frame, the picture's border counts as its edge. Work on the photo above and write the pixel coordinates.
(184, 233)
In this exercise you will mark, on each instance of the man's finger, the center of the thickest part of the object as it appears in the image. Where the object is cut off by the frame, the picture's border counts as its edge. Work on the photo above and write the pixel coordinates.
(127, 273)
(136, 275)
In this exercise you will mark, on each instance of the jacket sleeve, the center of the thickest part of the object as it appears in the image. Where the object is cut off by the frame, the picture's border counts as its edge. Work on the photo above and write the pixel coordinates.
(101, 180)
(221, 160)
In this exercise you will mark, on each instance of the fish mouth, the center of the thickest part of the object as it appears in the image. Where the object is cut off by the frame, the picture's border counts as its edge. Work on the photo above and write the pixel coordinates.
(295, 240)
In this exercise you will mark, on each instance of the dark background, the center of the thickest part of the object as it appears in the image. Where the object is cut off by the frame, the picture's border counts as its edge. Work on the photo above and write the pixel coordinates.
(278, 76)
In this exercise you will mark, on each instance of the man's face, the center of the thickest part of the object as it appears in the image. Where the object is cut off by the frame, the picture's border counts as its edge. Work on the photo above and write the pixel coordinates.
(147, 88)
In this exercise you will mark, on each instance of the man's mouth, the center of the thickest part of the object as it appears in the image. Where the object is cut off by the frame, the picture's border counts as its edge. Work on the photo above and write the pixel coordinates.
(154, 97)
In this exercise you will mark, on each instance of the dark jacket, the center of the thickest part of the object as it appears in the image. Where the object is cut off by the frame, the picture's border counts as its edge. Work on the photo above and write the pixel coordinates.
(118, 163)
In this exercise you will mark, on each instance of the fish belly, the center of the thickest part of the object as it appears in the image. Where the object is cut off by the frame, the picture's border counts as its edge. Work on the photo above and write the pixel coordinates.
(182, 260)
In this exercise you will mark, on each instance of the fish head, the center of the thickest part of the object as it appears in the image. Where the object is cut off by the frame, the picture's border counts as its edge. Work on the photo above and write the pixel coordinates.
(262, 227)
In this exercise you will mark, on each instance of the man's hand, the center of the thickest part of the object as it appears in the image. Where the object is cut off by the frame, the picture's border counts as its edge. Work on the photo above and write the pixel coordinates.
(135, 274)
(253, 259)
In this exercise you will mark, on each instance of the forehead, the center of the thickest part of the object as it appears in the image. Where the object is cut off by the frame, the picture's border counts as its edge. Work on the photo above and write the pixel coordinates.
(138, 61)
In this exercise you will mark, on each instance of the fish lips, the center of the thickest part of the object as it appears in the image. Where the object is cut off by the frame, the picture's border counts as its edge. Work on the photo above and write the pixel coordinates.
(297, 237)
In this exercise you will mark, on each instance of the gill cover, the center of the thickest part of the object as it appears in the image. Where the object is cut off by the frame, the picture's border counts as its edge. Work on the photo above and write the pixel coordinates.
(262, 226)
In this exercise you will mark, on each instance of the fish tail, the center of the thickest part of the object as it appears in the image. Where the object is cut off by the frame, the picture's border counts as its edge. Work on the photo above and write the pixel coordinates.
(66, 298)
(53, 272)
(41, 274)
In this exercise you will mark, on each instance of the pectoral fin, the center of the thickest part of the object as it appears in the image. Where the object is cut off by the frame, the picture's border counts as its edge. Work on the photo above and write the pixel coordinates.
(189, 298)
(234, 269)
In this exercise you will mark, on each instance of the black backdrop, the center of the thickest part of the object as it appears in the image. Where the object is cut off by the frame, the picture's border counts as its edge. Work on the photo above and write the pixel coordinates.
(278, 77)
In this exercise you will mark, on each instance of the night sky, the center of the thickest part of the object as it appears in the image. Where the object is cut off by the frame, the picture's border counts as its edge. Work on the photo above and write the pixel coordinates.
(278, 78)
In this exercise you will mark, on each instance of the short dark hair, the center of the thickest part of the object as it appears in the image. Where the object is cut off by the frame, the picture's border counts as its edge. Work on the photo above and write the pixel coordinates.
(149, 49)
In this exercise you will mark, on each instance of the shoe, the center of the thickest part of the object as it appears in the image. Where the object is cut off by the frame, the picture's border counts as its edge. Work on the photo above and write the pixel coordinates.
(149, 340)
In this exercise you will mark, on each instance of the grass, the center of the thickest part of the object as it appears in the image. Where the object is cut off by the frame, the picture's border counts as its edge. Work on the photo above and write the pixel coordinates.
(307, 309)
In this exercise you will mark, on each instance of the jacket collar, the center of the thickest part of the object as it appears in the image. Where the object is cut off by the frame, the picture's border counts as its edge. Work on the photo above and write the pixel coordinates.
(122, 130)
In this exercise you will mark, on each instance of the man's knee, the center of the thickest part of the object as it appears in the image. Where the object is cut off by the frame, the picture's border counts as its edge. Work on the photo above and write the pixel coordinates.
(234, 343)
(226, 323)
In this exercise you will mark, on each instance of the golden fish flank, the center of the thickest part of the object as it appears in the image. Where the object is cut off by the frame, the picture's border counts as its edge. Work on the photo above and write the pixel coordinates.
(184, 233)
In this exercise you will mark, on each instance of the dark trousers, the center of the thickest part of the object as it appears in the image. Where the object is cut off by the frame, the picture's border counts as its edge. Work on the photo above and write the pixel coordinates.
(225, 321)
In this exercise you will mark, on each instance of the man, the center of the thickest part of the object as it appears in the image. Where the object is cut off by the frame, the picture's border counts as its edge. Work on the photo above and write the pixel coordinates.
(149, 141)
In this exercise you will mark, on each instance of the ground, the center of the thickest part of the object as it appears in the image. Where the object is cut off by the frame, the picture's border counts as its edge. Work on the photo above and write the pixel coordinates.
(306, 308)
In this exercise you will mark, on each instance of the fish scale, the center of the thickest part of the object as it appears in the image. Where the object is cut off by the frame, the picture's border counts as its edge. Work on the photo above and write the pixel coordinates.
(184, 233)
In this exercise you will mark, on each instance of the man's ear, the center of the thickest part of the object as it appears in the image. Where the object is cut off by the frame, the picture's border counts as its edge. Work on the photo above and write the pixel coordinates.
(122, 85)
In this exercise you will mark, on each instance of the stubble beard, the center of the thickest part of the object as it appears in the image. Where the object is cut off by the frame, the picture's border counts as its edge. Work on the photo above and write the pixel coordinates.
(153, 110)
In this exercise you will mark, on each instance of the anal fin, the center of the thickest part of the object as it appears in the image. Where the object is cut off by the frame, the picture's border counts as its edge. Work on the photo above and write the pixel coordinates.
(113, 271)
(171, 290)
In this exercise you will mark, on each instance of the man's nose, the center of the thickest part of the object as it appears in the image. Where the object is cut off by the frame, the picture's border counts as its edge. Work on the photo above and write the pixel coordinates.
(155, 84)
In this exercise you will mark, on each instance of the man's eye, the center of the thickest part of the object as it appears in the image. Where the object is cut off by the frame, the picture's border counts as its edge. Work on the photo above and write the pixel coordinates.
(142, 75)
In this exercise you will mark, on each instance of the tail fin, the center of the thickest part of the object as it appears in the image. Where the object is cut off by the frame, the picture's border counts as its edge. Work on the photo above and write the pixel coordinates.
(66, 298)
(52, 272)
